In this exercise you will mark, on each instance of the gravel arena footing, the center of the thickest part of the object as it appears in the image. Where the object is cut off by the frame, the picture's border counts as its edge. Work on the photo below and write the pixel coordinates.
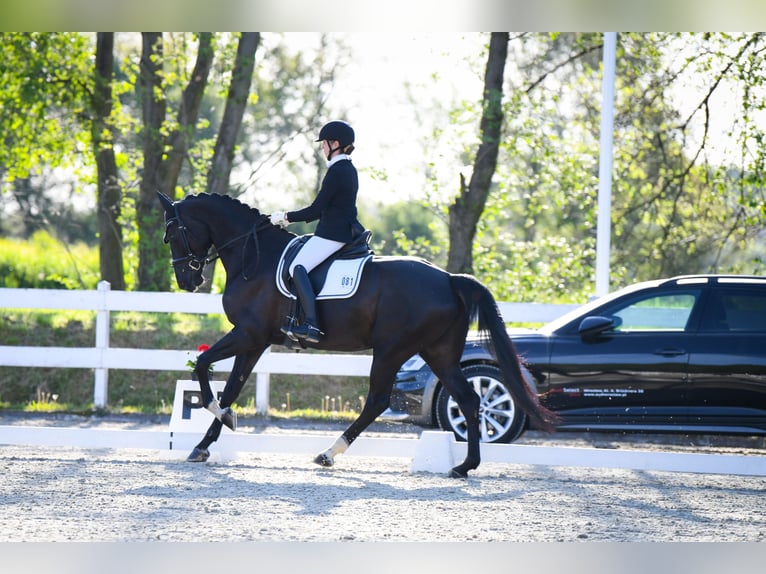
(129, 510)
(54, 494)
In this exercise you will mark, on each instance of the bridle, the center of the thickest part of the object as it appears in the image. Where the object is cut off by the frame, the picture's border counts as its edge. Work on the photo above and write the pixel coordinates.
(196, 262)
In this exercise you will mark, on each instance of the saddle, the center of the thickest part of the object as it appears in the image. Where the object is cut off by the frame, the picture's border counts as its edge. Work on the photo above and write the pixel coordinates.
(335, 278)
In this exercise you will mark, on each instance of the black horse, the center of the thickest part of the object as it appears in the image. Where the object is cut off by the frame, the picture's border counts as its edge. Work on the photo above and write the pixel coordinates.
(403, 306)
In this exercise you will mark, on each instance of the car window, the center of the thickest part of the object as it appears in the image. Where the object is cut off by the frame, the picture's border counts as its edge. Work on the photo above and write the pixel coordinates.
(736, 310)
(655, 313)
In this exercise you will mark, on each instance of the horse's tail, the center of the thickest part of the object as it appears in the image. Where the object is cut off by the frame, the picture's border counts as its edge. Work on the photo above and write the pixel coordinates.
(481, 305)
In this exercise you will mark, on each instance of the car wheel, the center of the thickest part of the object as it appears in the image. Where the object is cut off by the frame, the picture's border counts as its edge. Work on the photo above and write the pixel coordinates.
(500, 419)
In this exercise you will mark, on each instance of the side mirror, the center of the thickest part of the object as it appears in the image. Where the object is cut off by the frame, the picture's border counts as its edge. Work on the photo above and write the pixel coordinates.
(591, 327)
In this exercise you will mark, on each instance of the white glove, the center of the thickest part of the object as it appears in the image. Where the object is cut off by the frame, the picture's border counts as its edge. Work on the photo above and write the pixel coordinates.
(279, 218)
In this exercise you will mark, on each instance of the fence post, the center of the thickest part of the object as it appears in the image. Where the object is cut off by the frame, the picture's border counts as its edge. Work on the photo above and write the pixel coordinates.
(262, 383)
(101, 381)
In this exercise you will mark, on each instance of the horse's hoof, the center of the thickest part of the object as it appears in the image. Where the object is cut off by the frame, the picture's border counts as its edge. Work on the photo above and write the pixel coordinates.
(324, 460)
(198, 455)
(229, 418)
(458, 472)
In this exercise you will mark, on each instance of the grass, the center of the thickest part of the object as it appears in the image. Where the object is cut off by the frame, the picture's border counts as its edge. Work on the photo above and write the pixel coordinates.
(148, 392)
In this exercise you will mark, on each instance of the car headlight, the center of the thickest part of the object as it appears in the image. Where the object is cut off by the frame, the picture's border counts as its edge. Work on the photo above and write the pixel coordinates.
(413, 364)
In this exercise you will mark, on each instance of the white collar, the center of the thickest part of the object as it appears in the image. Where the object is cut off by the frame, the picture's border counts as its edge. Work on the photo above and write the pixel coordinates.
(338, 158)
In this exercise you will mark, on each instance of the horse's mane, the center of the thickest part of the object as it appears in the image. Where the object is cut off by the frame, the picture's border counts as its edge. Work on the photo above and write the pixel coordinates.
(230, 203)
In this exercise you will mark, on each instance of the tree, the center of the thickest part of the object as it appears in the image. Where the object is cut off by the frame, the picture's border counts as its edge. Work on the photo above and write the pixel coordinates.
(466, 210)
(161, 168)
(152, 275)
(673, 210)
(109, 189)
(223, 155)
(681, 206)
(45, 87)
(239, 89)
(48, 91)
(164, 154)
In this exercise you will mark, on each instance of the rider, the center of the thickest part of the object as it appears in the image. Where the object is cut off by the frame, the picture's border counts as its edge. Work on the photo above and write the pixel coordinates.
(335, 208)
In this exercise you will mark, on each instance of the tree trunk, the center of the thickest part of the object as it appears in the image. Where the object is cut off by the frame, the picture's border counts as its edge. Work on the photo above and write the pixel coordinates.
(109, 191)
(163, 157)
(236, 102)
(153, 271)
(180, 139)
(465, 212)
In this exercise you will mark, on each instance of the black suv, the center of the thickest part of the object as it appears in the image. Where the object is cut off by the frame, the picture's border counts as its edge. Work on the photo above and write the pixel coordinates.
(686, 354)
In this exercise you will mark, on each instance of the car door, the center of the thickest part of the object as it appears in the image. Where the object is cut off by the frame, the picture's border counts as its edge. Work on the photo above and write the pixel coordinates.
(727, 366)
(634, 372)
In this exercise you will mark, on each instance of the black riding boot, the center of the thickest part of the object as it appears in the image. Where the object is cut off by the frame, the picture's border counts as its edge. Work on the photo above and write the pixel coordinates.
(307, 330)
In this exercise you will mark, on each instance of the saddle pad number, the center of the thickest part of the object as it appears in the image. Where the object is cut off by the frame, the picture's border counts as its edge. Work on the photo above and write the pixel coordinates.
(342, 278)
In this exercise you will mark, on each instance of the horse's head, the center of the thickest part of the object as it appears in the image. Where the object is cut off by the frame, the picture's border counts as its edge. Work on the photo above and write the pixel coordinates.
(189, 240)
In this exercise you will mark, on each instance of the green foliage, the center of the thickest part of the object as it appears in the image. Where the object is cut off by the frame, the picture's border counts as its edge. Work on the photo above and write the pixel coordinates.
(393, 225)
(675, 209)
(550, 270)
(672, 212)
(44, 89)
(45, 263)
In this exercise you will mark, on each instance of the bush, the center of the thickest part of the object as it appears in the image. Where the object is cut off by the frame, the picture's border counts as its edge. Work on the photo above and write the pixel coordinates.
(43, 262)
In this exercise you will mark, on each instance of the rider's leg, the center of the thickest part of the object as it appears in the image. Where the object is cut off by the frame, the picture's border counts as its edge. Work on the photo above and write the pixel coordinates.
(309, 329)
(316, 250)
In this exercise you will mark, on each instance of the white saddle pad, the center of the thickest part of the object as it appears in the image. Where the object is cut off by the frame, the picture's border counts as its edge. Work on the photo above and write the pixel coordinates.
(342, 278)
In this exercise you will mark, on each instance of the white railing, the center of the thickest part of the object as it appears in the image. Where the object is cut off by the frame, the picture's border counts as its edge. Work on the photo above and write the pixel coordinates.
(101, 357)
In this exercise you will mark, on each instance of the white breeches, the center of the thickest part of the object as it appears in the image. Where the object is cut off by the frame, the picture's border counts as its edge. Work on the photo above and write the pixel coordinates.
(315, 250)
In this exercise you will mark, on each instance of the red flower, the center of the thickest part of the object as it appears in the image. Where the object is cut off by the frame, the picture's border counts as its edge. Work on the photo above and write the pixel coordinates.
(192, 363)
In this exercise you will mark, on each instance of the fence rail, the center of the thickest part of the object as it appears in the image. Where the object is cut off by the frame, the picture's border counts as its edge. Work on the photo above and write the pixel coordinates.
(101, 357)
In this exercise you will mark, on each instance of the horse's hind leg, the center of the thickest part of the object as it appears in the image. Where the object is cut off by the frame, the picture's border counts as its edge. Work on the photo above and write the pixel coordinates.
(469, 403)
(382, 376)
(444, 365)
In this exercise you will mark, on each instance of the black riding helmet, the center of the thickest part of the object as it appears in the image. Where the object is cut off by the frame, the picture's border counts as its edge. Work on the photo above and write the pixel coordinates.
(337, 130)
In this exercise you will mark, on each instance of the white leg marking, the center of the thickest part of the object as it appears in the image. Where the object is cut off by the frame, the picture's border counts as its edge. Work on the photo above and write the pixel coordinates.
(339, 447)
(215, 407)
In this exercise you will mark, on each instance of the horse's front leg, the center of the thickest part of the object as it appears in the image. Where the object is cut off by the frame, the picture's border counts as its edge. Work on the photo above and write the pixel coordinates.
(235, 342)
(243, 366)
(200, 453)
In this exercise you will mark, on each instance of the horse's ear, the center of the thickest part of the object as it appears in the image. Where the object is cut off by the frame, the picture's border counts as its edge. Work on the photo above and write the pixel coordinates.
(166, 202)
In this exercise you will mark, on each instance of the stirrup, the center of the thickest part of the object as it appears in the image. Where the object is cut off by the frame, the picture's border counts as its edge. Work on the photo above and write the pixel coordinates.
(287, 329)
(308, 332)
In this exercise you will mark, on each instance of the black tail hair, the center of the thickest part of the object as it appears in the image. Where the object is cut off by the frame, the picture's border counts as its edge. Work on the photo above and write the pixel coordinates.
(481, 306)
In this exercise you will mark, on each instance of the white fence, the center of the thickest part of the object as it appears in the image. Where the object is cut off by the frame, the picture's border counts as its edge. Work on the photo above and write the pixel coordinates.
(101, 357)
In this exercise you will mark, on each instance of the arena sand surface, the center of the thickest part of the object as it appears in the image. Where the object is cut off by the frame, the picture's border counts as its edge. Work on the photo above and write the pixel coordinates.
(58, 494)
